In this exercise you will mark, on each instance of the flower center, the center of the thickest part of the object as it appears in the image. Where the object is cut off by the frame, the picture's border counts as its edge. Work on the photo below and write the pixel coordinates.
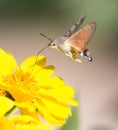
(19, 78)
(20, 85)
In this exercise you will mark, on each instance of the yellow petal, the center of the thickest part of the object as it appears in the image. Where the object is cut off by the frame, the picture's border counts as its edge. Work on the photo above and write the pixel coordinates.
(44, 73)
(7, 64)
(26, 105)
(30, 113)
(5, 105)
(47, 115)
(33, 61)
(57, 109)
(41, 126)
(25, 122)
(5, 124)
(64, 94)
(53, 82)
(23, 119)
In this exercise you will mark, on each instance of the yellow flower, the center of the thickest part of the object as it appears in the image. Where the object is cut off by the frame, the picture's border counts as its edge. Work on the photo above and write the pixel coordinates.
(34, 90)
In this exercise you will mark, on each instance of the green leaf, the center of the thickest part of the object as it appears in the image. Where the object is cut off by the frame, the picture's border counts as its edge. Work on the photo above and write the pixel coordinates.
(72, 122)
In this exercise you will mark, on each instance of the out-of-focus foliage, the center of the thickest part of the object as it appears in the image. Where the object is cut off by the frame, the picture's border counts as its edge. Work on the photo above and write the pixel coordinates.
(73, 122)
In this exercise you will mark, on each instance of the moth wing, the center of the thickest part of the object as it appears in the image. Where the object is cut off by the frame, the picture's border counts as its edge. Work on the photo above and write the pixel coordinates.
(75, 27)
(79, 40)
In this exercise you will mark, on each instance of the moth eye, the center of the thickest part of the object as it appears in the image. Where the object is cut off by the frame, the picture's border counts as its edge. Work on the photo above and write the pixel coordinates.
(53, 44)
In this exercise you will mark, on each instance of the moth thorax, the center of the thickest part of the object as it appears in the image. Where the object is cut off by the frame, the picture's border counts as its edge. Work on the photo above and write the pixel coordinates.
(65, 47)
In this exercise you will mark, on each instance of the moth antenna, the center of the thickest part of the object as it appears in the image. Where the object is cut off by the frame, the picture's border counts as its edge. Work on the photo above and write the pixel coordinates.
(46, 37)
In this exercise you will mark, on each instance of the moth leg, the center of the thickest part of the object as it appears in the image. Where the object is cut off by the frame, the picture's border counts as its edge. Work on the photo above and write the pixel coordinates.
(68, 53)
(78, 60)
(74, 56)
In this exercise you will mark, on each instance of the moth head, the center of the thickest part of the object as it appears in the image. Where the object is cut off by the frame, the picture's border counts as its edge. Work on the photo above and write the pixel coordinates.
(58, 41)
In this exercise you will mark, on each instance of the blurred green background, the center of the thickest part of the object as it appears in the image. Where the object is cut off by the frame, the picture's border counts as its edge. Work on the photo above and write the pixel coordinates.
(96, 83)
